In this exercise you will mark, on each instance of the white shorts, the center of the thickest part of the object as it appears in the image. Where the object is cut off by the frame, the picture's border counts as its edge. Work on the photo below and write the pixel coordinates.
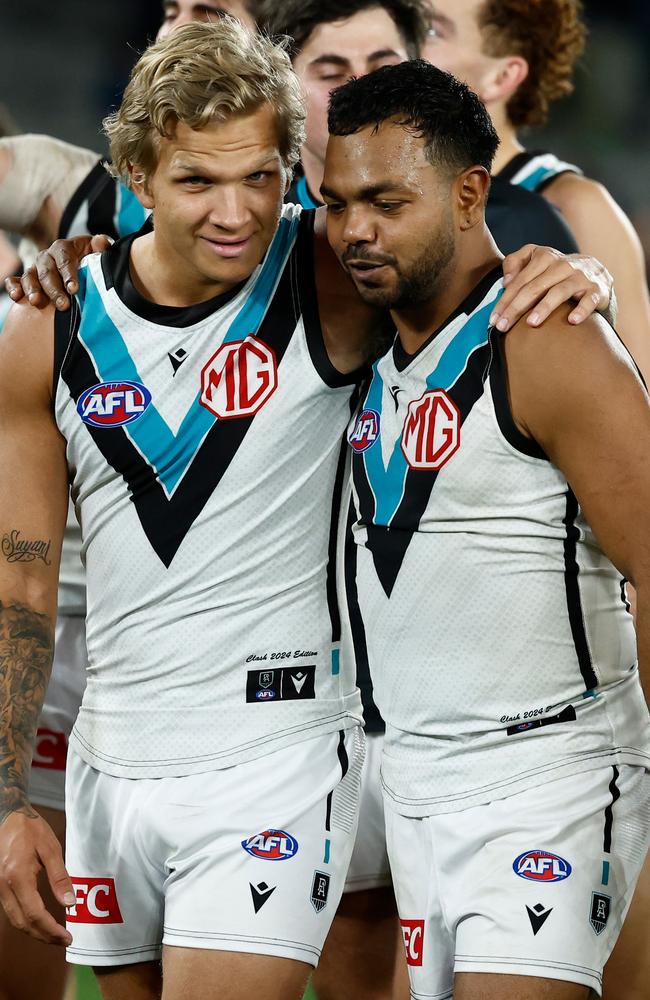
(250, 858)
(369, 868)
(60, 709)
(536, 884)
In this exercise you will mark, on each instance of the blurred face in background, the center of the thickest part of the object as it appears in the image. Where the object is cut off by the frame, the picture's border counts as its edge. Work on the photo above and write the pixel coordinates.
(179, 12)
(335, 52)
(454, 43)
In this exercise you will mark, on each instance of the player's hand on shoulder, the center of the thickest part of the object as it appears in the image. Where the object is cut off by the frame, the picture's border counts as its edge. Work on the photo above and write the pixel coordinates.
(539, 279)
(53, 275)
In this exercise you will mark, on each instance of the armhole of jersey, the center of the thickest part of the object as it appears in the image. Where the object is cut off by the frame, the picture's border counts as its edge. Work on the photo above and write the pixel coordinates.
(66, 325)
(515, 164)
(80, 195)
(549, 180)
(308, 299)
(499, 389)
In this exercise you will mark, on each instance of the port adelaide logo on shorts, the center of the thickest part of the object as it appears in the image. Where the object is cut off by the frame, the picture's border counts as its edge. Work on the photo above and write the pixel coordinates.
(599, 915)
(320, 890)
(113, 404)
(271, 845)
(540, 866)
(282, 684)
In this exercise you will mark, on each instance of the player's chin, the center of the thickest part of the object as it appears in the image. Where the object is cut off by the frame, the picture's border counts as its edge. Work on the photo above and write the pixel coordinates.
(376, 294)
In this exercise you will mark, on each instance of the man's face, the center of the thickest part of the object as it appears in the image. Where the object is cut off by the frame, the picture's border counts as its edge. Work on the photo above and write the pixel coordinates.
(335, 52)
(216, 195)
(179, 12)
(454, 42)
(390, 219)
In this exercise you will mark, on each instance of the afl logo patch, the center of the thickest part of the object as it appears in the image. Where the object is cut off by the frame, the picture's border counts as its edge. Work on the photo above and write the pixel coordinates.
(271, 845)
(540, 866)
(366, 431)
(113, 404)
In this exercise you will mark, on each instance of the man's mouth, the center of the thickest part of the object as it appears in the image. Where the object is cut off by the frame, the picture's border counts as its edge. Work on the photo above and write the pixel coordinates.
(364, 269)
(227, 248)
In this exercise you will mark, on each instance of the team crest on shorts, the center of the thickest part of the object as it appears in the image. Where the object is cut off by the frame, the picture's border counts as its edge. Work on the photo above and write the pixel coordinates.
(365, 431)
(113, 404)
(271, 845)
(320, 890)
(599, 915)
(540, 866)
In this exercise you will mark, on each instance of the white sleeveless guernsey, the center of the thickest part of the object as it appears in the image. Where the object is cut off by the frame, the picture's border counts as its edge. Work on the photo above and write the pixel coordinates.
(500, 646)
(205, 449)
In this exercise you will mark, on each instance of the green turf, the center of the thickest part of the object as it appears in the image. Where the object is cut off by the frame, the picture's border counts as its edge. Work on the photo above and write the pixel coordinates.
(87, 986)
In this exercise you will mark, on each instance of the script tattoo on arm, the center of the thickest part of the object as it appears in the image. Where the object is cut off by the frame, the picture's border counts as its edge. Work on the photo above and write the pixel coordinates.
(26, 651)
(17, 549)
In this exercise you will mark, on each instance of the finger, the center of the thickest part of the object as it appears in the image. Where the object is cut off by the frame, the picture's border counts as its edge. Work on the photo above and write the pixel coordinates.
(57, 876)
(100, 243)
(529, 295)
(38, 921)
(50, 280)
(11, 908)
(14, 288)
(516, 262)
(32, 290)
(556, 296)
(538, 266)
(586, 307)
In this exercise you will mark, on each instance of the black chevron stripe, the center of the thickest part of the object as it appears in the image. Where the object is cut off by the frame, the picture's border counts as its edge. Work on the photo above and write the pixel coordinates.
(164, 520)
(389, 545)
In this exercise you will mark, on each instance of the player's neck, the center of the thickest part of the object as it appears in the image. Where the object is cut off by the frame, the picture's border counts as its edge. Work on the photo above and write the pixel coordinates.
(509, 144)
(166, 280)
(473, 260)
(314, 169)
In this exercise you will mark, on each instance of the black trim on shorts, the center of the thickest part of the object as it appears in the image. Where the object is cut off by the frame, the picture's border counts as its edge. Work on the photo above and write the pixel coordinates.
(343, 755)
(572, 587)
(615, 792)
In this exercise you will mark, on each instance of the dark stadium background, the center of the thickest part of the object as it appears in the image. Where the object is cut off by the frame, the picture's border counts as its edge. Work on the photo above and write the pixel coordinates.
(64, 64)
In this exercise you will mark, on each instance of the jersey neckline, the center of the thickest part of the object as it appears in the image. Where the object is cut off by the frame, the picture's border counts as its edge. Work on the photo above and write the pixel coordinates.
(402, 359)
(117, 275)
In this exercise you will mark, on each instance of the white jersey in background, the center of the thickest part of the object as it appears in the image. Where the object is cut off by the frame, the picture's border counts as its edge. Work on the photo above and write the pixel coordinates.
(502, 652)
(205, 448)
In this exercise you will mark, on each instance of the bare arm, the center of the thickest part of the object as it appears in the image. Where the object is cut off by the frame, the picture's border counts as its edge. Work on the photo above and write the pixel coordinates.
(602, 229)
(33, 504)
(576, 392)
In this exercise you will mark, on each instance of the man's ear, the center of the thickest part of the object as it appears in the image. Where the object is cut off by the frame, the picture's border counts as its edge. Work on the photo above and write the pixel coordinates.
(472, 188)
(504, 77)
(140, 185)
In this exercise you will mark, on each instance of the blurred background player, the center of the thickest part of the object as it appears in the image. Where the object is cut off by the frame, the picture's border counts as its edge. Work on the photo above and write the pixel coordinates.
(519, 57)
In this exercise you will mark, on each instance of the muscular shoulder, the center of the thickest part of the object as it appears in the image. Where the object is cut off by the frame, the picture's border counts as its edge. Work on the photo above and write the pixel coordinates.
(27, 352)
(583, 201)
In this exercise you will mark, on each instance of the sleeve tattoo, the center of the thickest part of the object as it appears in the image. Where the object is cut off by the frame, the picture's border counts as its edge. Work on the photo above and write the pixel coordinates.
(26, 651)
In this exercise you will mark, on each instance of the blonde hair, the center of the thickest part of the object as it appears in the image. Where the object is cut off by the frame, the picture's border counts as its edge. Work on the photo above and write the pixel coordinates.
(203, 73)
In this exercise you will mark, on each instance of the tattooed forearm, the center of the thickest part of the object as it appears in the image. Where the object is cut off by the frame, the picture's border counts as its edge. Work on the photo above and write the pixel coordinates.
(26, 650)
(17, 549)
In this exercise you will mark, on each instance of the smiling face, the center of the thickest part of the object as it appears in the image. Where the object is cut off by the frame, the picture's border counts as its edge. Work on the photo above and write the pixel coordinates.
(179, 12)
(390, 216)
(335, 52)
(216, 195)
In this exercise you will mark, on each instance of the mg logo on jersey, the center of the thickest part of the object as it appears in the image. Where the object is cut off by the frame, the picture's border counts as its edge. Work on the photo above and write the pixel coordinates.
(413, 934)
(113, 404)
(366, 431)
(51, 750)
(271, 845)
(431, 432)
(239, 379)
(540, 866)
(96, 902)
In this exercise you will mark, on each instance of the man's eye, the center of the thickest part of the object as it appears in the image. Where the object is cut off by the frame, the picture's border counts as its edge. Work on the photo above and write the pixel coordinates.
(258, 176)
(194, 181)
(388, 206)
(334, 207)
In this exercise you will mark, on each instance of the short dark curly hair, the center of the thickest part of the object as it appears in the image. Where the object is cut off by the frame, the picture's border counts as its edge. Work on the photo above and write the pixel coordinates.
(434, 105)
(299, 18)
(550, 35)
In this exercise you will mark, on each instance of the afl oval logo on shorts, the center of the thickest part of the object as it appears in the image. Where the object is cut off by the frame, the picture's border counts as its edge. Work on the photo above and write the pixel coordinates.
(271, 845)
(366, 431)
(540, 866)
(265, 695)
(113, 404)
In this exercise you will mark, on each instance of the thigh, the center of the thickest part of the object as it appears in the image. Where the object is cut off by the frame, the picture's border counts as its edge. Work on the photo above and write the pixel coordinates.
(116, 869)
(471, 986)
(142, 981)
(361, 951)
(190, 973)
(30, 968)
(262, 850)
(627, 974)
